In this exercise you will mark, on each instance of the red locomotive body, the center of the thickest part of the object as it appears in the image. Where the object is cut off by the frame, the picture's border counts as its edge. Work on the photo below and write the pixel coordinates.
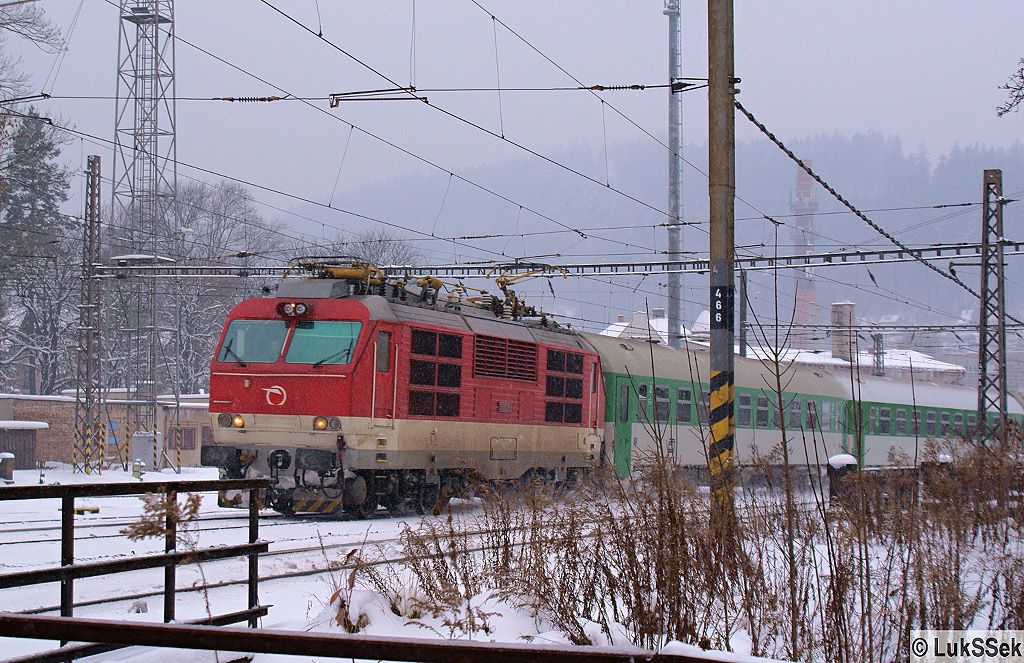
(353, 401)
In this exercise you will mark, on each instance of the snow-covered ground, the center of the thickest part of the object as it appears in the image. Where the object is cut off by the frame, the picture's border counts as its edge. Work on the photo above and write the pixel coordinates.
(30, 538)
(310, 547)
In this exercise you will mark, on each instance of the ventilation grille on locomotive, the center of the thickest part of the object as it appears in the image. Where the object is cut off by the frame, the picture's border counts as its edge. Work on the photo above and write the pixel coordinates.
(505, 358)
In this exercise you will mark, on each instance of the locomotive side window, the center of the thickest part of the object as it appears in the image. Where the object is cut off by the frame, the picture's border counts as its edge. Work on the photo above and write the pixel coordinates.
(684, 409)
(384, 352)
(257, 341)
(323, 342)
(563, 389)
(424, 342)
(428, 370)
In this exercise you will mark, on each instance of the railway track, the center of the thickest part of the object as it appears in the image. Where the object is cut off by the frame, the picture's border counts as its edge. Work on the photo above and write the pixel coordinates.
(300, 573)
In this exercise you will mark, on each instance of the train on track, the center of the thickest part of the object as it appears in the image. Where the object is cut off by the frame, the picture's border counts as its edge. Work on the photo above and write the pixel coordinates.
(351, 391)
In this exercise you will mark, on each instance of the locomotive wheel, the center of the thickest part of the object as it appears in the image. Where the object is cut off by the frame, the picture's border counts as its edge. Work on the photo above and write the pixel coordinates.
(366, 508)
(394, 503)
(428, 499)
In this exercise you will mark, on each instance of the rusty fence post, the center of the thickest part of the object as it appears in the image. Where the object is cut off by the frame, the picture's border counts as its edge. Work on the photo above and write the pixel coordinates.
(67, 556)
(170, 543)
(254, 558)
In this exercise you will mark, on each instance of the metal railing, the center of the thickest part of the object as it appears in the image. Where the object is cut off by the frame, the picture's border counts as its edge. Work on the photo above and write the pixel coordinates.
(325, 645)
(69, 571)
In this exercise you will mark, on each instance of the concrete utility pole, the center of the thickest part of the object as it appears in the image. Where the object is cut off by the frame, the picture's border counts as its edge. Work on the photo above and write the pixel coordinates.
(675, 170)
(992, 321)
(722, 190)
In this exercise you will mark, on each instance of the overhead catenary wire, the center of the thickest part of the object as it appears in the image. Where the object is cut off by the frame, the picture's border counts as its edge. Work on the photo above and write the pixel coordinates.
(846, 203)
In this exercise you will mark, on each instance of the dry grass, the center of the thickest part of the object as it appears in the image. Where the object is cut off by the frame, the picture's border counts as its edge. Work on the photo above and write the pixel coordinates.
(642, 557)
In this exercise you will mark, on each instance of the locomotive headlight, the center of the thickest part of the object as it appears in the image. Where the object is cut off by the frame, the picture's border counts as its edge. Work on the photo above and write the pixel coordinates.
(237, 421)
(288, 309)
(224, 420)
(334, 423)
(320, 423)
(299, 308)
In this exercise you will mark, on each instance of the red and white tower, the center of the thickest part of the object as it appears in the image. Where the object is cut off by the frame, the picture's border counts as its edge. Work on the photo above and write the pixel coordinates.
(803, 204)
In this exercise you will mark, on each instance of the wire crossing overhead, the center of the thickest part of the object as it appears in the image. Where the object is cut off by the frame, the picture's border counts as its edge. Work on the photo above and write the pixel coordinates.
(546, 270)
(863, 217)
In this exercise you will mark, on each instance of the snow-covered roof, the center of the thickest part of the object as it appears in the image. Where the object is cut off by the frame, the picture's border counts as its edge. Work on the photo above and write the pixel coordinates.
(894, 358)
(11, 424)
(38, 397)
(185, 405)
(640, 326)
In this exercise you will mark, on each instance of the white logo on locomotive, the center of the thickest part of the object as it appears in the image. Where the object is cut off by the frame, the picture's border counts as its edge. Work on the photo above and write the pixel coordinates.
(274, 392)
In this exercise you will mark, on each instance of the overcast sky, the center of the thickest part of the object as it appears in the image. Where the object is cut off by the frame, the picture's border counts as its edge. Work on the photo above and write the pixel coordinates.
(926, 71)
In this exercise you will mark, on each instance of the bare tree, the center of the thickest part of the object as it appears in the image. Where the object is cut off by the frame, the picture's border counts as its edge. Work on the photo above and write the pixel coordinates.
(1015, 86)
(37, 329)
(379, 247)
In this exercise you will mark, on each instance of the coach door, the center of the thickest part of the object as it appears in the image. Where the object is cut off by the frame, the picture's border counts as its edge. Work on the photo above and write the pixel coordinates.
(385, 387)
(623, 413)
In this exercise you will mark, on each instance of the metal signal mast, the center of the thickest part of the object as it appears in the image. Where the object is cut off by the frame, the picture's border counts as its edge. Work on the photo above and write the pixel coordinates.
(992, 321)
(90, 434)
(145, 183)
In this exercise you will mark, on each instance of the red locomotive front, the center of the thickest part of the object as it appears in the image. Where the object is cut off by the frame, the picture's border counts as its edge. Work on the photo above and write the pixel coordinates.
(354, 401)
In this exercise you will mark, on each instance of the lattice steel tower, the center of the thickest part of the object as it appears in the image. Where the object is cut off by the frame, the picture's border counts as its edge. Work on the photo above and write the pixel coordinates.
(992, 333)
(145, 183)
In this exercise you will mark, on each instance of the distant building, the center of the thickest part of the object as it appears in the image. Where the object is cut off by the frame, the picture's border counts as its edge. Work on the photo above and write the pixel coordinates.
(639, 326)
(52, 420)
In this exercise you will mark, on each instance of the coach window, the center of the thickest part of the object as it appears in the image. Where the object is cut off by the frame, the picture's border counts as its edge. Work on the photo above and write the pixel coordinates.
(684, 406)
(901, 422)
(743, 415)
(384, 352)
(883, 421)
(762, 412)
(958, 423)
(929, 423)
(826, 415)
(661, 402)
(796, 413)
(944, 423)
(641, 395)
(972, 422)
(624, 403)
(812, 415)
(873, 421)
(702, 407)
(915, 421)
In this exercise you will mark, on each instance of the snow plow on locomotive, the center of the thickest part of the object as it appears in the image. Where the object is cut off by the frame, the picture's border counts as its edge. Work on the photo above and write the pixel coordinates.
(349, 394)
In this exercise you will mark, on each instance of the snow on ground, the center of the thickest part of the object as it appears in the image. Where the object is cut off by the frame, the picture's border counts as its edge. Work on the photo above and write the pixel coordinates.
(30, 538)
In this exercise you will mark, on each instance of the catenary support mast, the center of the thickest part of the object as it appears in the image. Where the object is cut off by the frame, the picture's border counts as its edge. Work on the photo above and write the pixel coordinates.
(722, 190)
(675, 171)
(992, 321)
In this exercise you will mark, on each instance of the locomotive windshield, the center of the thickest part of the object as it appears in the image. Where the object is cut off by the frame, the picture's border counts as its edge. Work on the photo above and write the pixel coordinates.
(253, 340)
(323, 342)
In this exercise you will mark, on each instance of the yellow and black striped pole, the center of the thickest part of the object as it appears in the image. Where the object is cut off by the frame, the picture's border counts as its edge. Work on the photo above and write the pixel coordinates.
(722, 190)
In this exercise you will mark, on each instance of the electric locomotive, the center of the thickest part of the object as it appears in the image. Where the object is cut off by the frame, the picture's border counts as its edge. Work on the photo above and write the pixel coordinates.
(350, 392)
